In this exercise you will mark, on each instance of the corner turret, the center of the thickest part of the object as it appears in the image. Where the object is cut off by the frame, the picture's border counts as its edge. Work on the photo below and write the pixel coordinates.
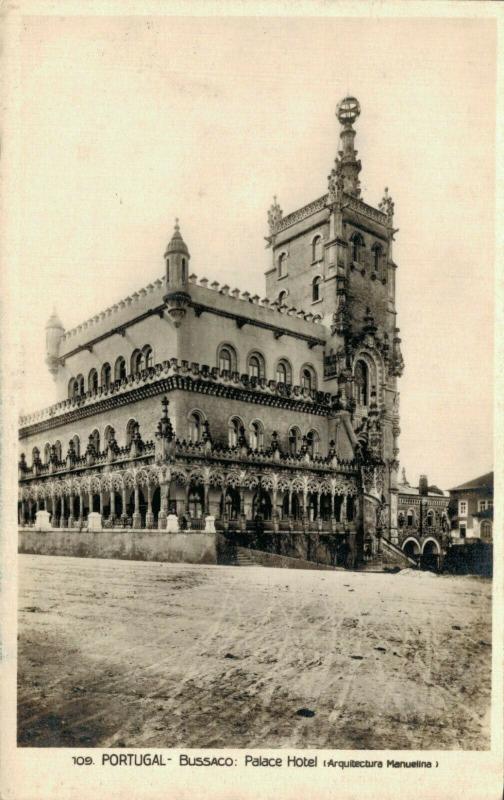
(54, 332)
(177, 258)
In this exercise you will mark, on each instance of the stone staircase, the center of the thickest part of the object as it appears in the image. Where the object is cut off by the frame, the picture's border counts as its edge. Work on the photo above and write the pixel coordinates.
(244, 558)
(390, 558)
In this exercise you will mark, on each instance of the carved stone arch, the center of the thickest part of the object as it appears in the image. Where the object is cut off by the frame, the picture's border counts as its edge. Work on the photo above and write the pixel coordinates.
(268, 482)
(313, 485)
(85, 483)
(376, 369)
(196, 477)
(106, 483)
(25, 493)
(233, 479)
(297, 485)
(58, 488)
(116, 480)
(216, 478)
(128, 479)
(179, 476)
(141, 477)
(325, 487)
(95, 484)
(284, 484)
(153, 477)
(251, 481)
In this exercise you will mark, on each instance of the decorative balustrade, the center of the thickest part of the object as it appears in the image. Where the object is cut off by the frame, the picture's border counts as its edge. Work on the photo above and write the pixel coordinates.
(196, 375)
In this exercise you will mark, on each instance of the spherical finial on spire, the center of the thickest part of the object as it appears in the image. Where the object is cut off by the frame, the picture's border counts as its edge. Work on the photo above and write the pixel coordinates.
(177, 226)
(348, 110)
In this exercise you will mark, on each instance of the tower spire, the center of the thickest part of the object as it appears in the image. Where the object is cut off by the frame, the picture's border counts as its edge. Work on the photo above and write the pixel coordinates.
(347, 166)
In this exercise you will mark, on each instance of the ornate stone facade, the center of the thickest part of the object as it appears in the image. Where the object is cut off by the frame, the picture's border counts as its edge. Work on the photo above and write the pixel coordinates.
(283, 411)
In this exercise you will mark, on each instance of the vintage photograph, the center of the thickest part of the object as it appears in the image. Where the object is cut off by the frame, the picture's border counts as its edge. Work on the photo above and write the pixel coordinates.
(255, 382)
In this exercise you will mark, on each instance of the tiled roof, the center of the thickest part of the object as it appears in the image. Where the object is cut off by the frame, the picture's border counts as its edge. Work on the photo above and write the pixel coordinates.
(483, 482)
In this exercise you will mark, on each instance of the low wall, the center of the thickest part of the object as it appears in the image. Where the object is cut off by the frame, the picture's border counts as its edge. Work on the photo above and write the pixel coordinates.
(190, 548)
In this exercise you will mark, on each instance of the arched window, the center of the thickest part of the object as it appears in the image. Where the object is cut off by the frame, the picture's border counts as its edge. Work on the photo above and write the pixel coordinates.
(120, 369)
(256, 438)
(410, 517)
(136, 362)
(76, 444)
(35, 453)
(107, 435)
(294, 441)
(195, 426)
(400, 519)
(93, 381)
(282, 296)
(47, 453)
(168, 270)
(95, 438)
(357, 246)
(106, 373)
(148, 356)
(57, 447)
(184, 270)
(130, 429)
(430, 518)
(234, 426)
(256, 365)
(226, 358)
(313, 443)
(377, 254)
(72, 392)
(79, 385)
(317, 249)
(316, 289)
(308, 378)
(282, 265)
(361, 383)
(284, 372)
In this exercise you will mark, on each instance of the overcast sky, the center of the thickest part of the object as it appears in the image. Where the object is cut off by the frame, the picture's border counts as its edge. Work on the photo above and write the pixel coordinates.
(125, 123)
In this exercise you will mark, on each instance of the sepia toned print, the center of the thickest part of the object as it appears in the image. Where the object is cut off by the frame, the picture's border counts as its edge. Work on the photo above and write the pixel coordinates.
(255, 483)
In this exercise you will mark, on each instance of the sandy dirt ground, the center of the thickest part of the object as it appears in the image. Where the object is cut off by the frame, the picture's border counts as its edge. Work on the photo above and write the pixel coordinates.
(136, 654)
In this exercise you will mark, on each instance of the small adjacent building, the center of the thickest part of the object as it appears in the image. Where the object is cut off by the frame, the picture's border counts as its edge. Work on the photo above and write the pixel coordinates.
(422, 521)
(471, 510)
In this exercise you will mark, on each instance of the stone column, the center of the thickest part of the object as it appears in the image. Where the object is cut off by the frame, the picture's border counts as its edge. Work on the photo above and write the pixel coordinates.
(71, 502)
(206, 503)
(63, 521)
(343, 509)
(164, 491)
(54, 520)
(275, 509)
(319, 501)
(333, 512)
(81, 508)
(102, 503)
(186, 499)
(137, 519)
(22, 515)
(243, 523)
(124, 516)
(149, 517)
(112, 506)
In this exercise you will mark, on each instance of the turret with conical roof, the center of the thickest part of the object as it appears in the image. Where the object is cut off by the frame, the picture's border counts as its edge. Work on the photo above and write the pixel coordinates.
(177, 276)
(54, 331)
(177, 260)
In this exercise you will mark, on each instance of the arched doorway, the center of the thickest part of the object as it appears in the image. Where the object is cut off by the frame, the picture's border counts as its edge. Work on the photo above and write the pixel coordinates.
(230, 503)
(156, 504)
(261, 504)
(412, 549)
(431, 553)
